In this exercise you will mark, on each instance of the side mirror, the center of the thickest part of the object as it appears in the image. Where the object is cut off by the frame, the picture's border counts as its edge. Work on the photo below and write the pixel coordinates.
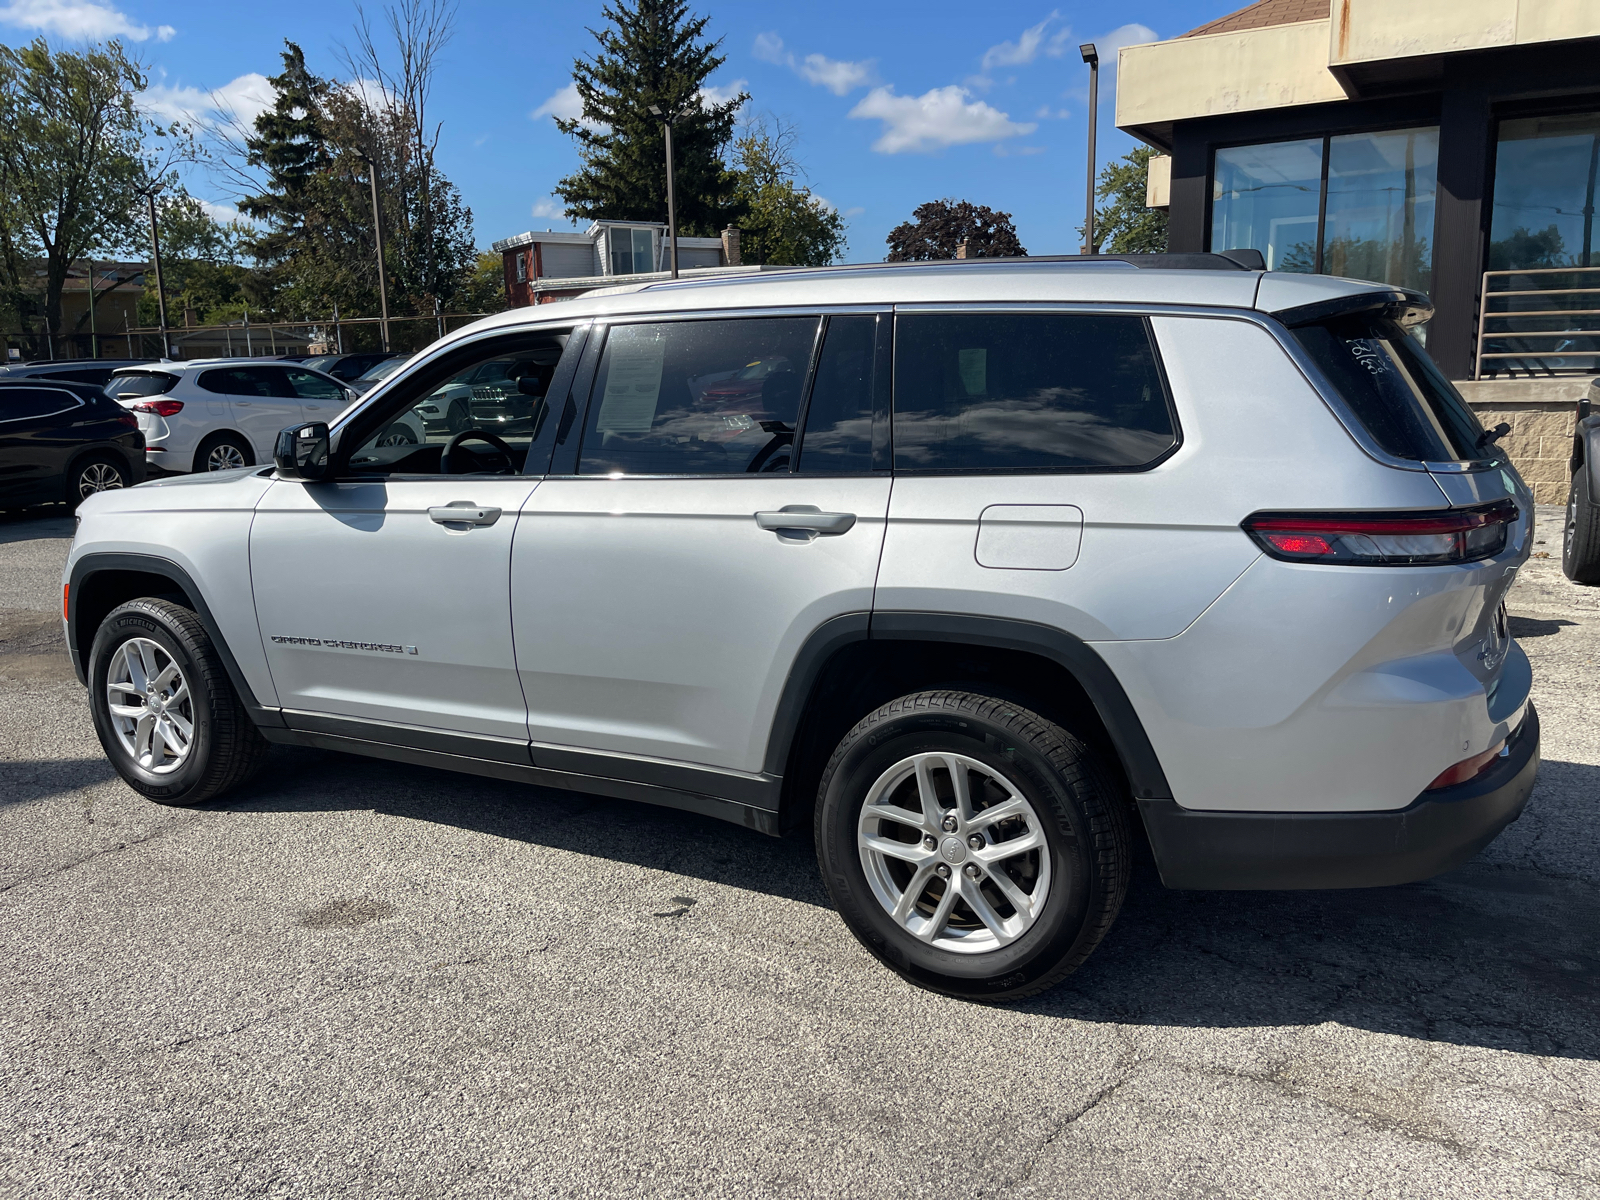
(531, 385)
(302, 452)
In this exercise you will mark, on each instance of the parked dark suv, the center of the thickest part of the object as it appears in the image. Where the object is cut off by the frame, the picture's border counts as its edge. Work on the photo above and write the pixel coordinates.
(63, 441)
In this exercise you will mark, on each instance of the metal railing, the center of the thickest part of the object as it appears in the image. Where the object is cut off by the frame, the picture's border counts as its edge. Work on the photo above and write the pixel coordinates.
(243, 339)
(1537, 330)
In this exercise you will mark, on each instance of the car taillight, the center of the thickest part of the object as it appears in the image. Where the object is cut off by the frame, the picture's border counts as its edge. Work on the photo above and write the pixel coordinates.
(128, 419)
(1467, 768)
(161, 408)
(1385, 539)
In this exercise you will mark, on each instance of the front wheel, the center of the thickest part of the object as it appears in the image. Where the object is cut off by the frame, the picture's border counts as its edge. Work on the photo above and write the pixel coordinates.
(164, 710)
(974, 847)
(1580, 542)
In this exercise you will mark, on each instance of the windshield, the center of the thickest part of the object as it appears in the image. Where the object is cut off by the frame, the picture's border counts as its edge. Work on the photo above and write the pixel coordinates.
(1386, 377)
(384, 369)
(321, 363)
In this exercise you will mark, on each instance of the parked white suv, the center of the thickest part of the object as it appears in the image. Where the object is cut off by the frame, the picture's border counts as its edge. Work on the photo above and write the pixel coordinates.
(997, 560)
(216, 414)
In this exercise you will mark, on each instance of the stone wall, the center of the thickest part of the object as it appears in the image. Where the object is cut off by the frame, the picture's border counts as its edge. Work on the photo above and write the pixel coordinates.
(1541, 414)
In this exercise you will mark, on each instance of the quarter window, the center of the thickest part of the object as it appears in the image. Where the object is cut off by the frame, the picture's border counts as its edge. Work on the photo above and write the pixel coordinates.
(25, 404)
(1027, 392)
(698, 397)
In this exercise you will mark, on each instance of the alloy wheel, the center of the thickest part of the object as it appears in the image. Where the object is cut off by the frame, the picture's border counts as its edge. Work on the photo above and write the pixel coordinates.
(152, 709)
(225, 456)
(954, 853)
(99, 477)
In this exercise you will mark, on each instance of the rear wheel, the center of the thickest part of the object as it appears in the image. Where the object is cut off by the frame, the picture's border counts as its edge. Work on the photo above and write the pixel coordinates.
(96, 473)
(223, 452)
(1580, 543)
(164, 709)
(974, 847)
(398, 435)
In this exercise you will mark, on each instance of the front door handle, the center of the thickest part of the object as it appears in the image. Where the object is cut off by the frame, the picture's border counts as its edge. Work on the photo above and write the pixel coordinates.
(464, 512)
(805, 518)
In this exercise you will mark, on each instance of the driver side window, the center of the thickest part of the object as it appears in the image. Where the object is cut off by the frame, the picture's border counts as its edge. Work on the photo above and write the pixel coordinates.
(479, 414)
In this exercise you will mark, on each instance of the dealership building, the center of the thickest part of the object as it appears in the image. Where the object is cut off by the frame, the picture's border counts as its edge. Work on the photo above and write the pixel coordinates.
(1447, 145)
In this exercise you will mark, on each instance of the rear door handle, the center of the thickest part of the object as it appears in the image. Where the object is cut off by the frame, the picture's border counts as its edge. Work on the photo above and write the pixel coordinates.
(806, 518)
(464, 512)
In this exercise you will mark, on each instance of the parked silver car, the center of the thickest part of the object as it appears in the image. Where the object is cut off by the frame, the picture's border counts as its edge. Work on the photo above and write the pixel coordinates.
(993, 560)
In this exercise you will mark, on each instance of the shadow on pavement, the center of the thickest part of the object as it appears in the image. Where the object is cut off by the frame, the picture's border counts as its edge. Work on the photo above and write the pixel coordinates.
(1487, 955)
(25, 780)
(33, 524)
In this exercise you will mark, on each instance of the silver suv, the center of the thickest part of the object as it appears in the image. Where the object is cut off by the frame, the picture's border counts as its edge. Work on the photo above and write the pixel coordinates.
(971, 568)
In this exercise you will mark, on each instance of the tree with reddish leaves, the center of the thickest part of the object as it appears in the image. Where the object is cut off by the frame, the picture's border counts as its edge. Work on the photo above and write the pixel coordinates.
(940, 226)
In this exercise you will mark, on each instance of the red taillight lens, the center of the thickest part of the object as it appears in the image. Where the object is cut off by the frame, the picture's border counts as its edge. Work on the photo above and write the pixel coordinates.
(1385, 539)
(128, 419)
(161, 408)
(1467, 768)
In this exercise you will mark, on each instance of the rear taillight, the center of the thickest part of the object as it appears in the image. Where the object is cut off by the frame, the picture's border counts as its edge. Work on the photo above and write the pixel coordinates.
(161, 408)
(128, 419)
(1385, 539)
(1467, 768)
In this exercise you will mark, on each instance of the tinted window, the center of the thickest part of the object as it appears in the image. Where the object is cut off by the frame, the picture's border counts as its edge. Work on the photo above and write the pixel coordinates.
(698, 397)
(313, 387)
(143, 383)
(94, 375)
(1027, 392)
(1392, 386)
(247, 381)
(22, 404)
(838, 426)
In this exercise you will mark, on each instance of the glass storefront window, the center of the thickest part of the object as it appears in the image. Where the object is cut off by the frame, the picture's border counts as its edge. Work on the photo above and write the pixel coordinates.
(1266, 198)
(1544, 193)
(1376, 222)
(1379, 219)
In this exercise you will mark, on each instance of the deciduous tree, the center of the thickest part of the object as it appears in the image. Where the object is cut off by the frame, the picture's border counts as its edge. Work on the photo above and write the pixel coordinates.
(1127, 225)
(938, 227)
(781, 221)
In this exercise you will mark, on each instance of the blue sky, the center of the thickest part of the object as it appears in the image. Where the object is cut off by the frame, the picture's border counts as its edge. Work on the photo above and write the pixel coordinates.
(896, 102)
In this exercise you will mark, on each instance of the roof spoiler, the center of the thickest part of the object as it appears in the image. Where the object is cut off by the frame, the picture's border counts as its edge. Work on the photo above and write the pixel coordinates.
(1404, 305)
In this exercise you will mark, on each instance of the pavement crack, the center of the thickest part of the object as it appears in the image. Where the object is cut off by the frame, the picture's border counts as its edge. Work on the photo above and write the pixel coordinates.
(153, 835)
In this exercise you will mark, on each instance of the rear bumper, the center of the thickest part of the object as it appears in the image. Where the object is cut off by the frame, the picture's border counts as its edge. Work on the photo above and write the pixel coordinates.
(1438, 831)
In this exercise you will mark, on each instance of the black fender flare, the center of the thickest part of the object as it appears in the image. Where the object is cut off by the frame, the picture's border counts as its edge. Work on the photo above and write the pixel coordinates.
(79, 639)
(1586, 451)
(1145, 776)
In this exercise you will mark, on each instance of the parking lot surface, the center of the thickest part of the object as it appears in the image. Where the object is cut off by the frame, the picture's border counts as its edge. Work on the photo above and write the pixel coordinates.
(363, 979)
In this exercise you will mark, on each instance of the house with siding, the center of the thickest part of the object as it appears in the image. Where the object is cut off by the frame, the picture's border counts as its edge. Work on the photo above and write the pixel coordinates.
(549, 266)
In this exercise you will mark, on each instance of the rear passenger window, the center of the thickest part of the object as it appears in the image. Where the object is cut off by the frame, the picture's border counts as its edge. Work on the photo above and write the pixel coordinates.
(698, 397)
(23, 404)
(838, 428)
(1028, 392)
(313, 387)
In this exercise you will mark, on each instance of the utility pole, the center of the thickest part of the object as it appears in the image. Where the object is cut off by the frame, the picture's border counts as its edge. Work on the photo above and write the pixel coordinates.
(377, 234)
(672, 205)
(161, 292)
(1092, 57)
(94, 327)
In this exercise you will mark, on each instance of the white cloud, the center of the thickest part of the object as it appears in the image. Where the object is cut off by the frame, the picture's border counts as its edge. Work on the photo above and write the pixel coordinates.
(548, 207)
(941, 117)
(566, 105)
(713, 94)
(839, 76)
(1026, 48)
(242, 99)
(79, 20)
(852, 212)
(220, 212)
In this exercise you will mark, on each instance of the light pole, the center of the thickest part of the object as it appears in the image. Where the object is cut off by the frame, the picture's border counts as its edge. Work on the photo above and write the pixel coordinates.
(1092, 57)
(161, 294)
(672, 204)
(377, 235)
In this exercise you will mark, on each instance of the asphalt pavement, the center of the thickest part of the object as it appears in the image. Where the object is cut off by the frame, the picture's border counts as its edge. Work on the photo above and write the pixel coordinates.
(361, 979)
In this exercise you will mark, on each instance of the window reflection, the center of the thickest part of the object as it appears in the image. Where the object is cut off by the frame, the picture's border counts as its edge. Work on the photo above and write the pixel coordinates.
(1265, 198)
(1379, 223)
(1544, 193)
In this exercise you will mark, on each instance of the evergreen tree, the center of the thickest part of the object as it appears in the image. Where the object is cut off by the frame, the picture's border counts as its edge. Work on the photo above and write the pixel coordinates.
(1127, 225)
(651, 53)
(940, 226)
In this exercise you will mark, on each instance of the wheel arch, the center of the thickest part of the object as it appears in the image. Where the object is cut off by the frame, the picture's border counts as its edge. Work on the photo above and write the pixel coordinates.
(92, 449)
(206, 442)
(1586, 451)
(99, 582)
(853, 663)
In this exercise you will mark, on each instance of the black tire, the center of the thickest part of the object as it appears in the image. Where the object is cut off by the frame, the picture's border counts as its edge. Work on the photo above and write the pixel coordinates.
(1580, 541)
(398, 435)
(225, 748)
(1082, 814)
(457, 418)
(99, 472)
(217, 447)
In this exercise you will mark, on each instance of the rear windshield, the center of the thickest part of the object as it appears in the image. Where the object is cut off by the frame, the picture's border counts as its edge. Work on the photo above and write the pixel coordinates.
(141, 383)
(1409, 407)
